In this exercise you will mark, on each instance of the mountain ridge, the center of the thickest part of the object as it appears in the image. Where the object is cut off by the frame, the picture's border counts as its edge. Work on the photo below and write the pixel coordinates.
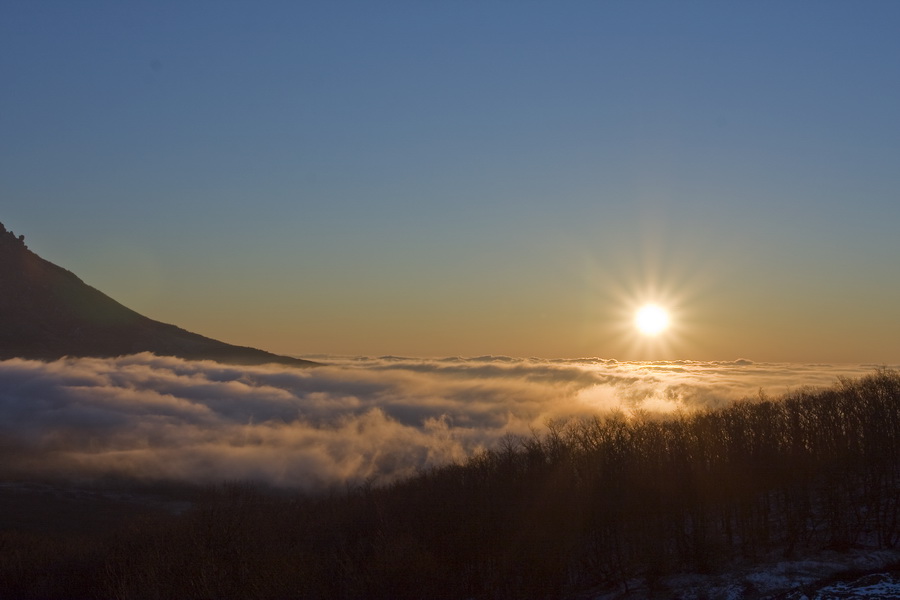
(47, 312)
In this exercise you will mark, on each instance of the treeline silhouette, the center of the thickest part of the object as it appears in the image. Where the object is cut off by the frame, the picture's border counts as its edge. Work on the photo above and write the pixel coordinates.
(585, 504)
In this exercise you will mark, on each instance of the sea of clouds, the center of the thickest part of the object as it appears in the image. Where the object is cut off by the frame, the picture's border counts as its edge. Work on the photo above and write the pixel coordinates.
(348, 421)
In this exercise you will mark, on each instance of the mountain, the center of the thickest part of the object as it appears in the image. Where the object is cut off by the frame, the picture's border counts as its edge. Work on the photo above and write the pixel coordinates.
(46, 312)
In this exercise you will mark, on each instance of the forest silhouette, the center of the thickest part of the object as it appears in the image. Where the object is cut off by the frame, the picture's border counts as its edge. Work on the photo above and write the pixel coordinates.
(587, 504)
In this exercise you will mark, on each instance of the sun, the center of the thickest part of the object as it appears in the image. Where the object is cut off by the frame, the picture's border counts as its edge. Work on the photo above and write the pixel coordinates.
(651, 319)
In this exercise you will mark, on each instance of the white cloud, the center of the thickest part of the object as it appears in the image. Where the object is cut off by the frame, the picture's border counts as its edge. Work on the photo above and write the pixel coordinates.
(356, 419)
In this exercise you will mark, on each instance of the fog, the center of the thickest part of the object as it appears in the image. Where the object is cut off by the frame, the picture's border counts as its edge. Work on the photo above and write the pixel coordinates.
(350, 421)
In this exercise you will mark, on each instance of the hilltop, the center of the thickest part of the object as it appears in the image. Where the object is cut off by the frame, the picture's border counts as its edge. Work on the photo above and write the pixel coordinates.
(47, 312)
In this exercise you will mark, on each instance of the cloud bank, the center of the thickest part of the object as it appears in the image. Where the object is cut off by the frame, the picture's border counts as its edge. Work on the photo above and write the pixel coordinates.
(354, 420)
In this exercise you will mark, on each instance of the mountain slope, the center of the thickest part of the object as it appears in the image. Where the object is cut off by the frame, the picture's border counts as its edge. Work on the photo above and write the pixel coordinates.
(46, 312)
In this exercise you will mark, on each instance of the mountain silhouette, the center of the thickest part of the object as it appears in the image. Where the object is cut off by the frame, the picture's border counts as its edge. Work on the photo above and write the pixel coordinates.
(46, 312)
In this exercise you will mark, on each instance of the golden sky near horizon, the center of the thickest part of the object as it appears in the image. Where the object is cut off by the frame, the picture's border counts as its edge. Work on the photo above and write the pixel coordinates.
(469, 179)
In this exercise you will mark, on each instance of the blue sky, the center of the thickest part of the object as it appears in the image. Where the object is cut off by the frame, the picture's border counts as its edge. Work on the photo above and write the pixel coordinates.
(468, 178)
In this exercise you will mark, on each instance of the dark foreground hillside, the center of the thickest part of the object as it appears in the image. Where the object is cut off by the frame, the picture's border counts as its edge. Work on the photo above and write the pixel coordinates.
(46, 312)
(587, 506)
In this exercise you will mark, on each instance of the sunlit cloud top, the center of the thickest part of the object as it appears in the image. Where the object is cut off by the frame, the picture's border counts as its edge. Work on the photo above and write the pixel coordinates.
(357, 419)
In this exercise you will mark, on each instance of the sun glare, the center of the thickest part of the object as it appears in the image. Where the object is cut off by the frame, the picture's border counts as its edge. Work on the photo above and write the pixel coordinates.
(651, 319)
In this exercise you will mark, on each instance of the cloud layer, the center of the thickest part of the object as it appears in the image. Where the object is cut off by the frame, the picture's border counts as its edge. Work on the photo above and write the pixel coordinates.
(354, 420)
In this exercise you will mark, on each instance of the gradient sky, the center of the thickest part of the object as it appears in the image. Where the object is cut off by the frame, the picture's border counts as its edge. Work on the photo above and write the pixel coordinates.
(465, 178)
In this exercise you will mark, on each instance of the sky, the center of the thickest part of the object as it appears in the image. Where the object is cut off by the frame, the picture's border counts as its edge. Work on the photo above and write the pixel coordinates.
(468, 178)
